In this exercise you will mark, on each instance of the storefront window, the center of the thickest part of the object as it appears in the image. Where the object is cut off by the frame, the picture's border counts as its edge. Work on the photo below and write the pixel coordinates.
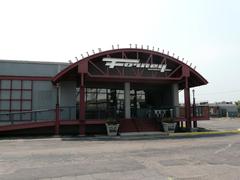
(15, 95)
(103, 103)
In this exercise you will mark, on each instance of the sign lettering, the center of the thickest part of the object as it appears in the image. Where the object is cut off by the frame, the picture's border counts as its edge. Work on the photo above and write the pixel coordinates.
(115, 62)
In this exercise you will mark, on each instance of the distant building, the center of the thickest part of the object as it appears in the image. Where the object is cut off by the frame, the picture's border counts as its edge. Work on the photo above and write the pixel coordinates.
(223, 109)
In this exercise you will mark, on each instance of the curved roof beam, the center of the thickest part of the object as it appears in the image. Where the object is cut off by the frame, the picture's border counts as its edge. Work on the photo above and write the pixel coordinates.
(60, 75)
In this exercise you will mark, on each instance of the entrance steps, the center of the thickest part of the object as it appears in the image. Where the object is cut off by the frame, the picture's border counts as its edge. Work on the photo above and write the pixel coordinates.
(138, 125)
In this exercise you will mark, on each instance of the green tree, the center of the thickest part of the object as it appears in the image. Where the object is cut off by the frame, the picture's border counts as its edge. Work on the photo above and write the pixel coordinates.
(238, 105)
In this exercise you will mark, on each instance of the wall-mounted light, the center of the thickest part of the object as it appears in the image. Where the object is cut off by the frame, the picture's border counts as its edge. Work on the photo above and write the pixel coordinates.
(87, 53)
(118, 46)
(76, 58)
(130, 45)
(93, 51)
(112, 46)
(99, 49)
(82, 56)
(147, 47)
(136, 46)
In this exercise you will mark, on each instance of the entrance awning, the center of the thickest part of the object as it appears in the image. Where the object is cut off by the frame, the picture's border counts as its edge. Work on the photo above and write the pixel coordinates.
(131, 65)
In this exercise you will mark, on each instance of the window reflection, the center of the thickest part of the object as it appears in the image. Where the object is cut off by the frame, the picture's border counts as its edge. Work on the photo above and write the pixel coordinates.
(104, 103)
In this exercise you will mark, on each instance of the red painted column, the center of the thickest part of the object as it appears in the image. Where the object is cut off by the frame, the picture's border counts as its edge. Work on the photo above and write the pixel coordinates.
(57, 111)
(187, 104)
(82, 107)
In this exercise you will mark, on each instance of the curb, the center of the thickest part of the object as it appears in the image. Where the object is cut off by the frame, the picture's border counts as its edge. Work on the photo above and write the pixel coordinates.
(154, 137)
(131, 137)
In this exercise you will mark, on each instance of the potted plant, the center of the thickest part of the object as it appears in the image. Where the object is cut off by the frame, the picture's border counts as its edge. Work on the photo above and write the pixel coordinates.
(112, 126)
(169, 124)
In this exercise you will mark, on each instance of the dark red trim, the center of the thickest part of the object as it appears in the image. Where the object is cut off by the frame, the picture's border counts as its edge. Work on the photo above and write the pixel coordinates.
(110, 52)
(82, 106)
(87, 122)
(48, 123)
(28, 125)
(69, 122)
(135, 78)
(187, 103)
(34, 78)
(132, 80)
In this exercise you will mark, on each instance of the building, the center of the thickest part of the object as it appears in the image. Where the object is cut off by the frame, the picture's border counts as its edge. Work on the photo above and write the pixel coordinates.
(223, 109)
(136, 86)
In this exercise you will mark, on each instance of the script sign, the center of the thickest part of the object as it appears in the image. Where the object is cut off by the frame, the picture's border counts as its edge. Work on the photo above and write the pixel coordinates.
(128, 63)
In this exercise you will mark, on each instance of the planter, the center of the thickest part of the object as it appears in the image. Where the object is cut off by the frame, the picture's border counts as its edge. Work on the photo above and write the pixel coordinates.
(112, 129)
(169, 127)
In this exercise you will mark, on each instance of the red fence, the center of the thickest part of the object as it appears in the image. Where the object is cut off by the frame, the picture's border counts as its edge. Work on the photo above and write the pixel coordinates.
(197, 113)
(69, 116)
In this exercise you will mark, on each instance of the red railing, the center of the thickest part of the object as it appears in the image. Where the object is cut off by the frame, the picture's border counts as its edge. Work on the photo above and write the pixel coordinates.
(197, 113)
(71, 113)
(69, 116)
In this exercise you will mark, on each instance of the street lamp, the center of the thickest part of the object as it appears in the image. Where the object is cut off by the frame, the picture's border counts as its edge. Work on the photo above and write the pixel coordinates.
(194, 108)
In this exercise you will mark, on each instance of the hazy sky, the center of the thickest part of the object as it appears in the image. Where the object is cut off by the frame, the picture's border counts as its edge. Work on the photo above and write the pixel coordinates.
(204, 32)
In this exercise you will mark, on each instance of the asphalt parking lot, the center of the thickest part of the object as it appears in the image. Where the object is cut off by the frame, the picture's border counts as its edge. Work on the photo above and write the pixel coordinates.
(79, 158)
(221, 124)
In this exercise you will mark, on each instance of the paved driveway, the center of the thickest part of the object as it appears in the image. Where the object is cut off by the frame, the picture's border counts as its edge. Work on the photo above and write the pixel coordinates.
(75, 158)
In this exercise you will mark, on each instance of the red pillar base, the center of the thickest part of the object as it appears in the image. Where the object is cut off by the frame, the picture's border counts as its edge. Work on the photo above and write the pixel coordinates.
(82, 128)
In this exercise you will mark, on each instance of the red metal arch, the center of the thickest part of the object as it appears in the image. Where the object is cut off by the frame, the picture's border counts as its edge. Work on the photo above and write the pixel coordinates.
(189, 71)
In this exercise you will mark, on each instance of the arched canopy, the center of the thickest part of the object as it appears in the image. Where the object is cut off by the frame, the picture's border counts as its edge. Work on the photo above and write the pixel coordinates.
(132, 65)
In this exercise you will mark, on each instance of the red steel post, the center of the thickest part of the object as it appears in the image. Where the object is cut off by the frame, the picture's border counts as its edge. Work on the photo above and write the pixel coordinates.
(82, 107)
(187, 104)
